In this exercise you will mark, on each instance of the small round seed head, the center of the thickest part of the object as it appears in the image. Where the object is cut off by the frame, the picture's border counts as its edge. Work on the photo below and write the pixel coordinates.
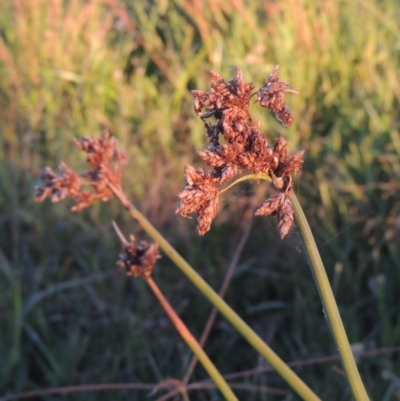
(139, 257)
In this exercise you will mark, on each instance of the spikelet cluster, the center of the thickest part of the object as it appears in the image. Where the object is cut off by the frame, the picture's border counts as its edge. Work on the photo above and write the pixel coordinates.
(139, 257)
(105, 161)
(224, 110)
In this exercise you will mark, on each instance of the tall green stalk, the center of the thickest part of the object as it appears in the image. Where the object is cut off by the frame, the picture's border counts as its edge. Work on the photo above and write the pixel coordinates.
(328, 300)
(275, 361)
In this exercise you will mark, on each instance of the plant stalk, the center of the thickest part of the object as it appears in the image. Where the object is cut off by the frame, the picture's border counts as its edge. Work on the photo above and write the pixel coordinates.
(278, 364)
(328, 300)
(192, 343)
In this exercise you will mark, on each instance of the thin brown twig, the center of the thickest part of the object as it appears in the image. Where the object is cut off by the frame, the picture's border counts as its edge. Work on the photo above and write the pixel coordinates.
(236, 386)
(119, 233)
(312, 361)
(78, 389)
(191, 342)
(268, 369)
(134, 386)
(193, 386)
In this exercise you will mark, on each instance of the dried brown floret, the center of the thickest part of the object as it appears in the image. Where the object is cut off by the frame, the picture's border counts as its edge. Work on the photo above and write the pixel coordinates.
(224, 173)
(285, 116)
(57, 186)
(105, 161)
(272, 96)
(100, 151)
(211, 157)
(291, 165)
(278, 205)
(199, 196)
(260, 151)
(206, 215)
(139, 257)
(246, 146)
(223, 160)
(270, 205)
(228, 102)
(284, 165)
(82, 201)
(280, 148)
(285, 217)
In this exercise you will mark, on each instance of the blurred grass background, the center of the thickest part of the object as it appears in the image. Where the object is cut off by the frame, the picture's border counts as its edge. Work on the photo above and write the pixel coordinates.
(68, 316)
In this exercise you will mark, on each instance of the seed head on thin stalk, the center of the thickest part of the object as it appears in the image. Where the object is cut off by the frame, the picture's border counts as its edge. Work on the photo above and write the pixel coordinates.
(105, 161)
(139, 257)
(245, 147)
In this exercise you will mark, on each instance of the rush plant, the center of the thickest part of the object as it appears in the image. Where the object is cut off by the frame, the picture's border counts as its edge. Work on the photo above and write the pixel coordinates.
(238, 151)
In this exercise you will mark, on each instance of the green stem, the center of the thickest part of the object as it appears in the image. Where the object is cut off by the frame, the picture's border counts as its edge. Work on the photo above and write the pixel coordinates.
(192, 343)
(241, 179)
(329, 303)
(281, 367)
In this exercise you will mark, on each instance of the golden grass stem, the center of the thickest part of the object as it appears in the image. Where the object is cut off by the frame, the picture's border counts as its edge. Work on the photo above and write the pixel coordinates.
(192, 343)
(328, 300)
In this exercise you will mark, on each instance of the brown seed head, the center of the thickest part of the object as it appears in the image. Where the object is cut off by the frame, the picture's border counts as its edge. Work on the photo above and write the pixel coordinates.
(280, 206)
(285, 217)
(270, 205)
(199, 196)
(82, 201)
(57, 186)
(227, 102)
(100, 151)
(105, 161)
(280, 148)
(291, 165)
(206, 215)
(285, 116)
(272, 96)
(245, 148)
(139, 257)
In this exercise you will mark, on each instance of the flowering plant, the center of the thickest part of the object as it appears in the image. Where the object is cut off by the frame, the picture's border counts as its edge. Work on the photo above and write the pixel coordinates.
(245, 147)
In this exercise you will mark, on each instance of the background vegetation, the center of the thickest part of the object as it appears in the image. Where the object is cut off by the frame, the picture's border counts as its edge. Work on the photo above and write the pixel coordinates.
(68, 316)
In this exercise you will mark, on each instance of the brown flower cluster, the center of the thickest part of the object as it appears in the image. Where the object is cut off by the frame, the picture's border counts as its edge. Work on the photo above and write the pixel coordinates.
(139, 257)
(271, 96)
(199, 196)
(244, 147)
(105, 160)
